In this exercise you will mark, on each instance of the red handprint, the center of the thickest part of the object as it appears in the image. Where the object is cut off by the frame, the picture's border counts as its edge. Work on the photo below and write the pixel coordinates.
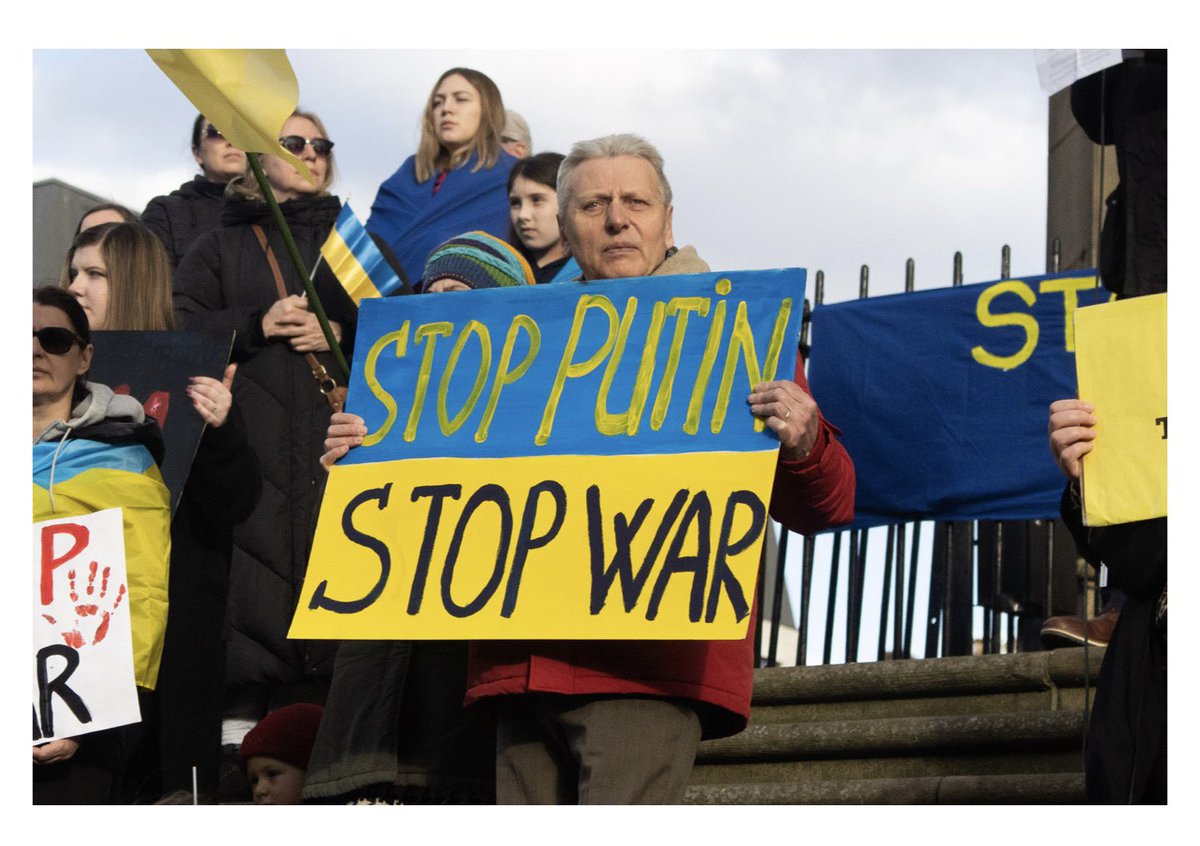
(87, 608)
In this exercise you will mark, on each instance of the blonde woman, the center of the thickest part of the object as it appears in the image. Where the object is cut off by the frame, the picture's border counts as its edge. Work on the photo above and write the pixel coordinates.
(457, 180)
(225, 284)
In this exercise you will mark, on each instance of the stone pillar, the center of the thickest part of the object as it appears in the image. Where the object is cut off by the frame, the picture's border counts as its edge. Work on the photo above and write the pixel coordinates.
(1080, 175)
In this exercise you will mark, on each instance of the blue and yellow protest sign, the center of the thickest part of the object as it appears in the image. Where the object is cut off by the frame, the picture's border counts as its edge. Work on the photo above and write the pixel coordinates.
(1122, 366)
(566, 461)
(942, 396)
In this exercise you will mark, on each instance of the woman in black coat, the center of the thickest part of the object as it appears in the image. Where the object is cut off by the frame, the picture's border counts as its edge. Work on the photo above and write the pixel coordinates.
(223, 284)
(182, 216)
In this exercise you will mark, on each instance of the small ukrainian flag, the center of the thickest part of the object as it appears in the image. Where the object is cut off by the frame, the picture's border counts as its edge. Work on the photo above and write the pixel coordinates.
(356, 261)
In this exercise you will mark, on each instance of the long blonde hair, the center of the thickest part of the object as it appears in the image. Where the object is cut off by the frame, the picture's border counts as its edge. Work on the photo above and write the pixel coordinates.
(485, 146)
(139, 275)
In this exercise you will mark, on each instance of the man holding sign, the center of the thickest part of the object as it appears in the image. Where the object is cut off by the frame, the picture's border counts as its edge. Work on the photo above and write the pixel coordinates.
(619, 721)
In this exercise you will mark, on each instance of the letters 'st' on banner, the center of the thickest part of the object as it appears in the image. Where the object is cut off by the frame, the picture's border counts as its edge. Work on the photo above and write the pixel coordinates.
(556, 462)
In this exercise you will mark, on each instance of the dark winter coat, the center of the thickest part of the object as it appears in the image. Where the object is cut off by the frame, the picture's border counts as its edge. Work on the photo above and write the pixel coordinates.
(222, 489)
(1126, 106)
(1126, 760)
(182, 216)
(224, 284)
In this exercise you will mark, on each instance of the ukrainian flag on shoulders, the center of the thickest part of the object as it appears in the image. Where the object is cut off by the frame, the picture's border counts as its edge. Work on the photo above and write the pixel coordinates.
(356, 261)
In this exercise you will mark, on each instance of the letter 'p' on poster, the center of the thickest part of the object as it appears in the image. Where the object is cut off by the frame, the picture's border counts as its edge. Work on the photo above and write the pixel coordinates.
(83, 678)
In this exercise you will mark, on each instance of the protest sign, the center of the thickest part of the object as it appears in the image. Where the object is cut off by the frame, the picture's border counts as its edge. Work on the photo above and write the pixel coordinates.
(567, 461)
(83, 678)
(155, 367)
(942, 396)
(1122, 364)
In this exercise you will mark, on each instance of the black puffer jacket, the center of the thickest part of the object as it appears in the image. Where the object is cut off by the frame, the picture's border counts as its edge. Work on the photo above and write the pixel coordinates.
(224, 283)
(1126, 105)
(182, 216)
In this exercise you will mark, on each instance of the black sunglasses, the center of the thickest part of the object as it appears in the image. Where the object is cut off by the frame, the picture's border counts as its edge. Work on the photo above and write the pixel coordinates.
(211, 131)
(295, 144)
(56, 340)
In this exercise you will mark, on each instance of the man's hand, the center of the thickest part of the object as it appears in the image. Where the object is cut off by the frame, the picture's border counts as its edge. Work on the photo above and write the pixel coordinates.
(346, 430)
(790, 413)
(54, 751)
(1071, 434)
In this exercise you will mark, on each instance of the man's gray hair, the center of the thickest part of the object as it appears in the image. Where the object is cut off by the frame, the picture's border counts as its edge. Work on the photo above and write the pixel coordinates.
(517, 129)
(610, 147)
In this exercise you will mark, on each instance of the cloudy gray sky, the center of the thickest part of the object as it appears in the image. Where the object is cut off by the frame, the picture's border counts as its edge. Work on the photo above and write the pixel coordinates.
(824, 159)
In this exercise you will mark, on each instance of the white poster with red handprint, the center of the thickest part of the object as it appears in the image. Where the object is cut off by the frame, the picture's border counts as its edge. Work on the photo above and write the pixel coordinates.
(82, 641)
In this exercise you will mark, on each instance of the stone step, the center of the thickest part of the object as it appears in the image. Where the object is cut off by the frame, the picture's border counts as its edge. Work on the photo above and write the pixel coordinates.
(973, 729)
(975, 733)
(927, 677)
(1053, 788)
(1051, 699)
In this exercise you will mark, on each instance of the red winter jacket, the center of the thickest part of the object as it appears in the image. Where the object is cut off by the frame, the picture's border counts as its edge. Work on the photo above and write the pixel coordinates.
(808, 496)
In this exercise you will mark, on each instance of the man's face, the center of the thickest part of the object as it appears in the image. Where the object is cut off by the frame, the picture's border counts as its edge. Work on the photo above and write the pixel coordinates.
(616, 224)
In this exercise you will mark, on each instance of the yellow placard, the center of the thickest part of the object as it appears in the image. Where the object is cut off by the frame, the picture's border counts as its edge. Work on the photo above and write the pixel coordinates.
(547, 547)
(1121, 359)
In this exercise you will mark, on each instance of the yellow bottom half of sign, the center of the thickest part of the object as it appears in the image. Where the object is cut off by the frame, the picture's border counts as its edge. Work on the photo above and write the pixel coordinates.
(558, 547)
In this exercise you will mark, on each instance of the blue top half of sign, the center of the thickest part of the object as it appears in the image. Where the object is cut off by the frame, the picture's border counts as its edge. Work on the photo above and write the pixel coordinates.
(612, 367)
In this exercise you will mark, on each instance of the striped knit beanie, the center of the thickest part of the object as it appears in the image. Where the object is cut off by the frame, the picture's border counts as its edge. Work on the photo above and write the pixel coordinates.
(478, 260)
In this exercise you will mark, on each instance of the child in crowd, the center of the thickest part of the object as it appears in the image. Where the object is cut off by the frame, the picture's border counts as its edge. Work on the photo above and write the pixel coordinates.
(275, 753)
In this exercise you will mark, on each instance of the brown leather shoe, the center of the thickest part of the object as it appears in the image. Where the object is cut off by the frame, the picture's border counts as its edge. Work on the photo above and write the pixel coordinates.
(1058, 632)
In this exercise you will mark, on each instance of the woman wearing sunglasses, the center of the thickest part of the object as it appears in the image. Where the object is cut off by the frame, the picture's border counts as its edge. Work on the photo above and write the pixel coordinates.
(226, 284)
(457, 180)
(182, 216)
(94, 450)
(121, 276)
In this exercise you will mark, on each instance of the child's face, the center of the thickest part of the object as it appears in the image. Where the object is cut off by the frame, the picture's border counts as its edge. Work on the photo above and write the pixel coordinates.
(272, 782)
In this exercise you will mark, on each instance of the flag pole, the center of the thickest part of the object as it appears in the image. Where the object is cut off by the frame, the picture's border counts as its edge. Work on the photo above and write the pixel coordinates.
(298, 263)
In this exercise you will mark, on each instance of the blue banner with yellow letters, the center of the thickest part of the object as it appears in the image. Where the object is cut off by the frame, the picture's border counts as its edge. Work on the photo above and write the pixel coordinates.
(562, 461)
(942, 396)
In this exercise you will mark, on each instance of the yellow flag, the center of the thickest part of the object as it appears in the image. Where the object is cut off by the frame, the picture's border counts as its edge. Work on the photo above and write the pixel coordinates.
(247, 94)
(1121, 359)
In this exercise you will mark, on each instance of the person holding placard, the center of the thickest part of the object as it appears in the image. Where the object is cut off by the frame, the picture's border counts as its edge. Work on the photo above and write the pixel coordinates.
(94, 450)
(1126, 755)
(619, 721)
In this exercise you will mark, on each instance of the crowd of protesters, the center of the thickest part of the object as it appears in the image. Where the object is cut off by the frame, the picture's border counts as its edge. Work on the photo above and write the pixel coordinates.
(235, 711)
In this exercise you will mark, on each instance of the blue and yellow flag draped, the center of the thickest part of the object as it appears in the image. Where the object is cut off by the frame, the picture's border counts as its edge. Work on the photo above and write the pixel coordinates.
(356, 261)
(92, 476)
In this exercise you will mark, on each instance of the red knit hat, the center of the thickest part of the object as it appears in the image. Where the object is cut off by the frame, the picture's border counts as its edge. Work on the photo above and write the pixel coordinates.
(286, 735)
